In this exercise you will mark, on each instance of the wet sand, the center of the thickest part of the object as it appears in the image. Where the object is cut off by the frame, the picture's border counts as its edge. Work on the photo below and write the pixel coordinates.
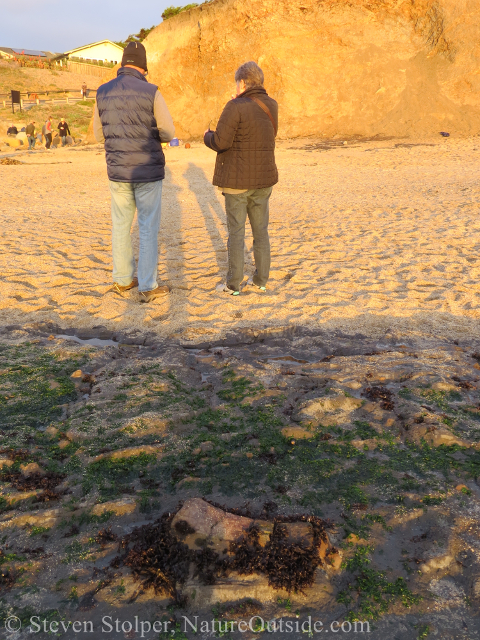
(370, 237)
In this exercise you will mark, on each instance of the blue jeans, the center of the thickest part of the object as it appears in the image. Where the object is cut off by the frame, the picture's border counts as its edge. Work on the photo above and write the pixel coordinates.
(254, 204)
(146, 197)
(64, 140)
(31, 142)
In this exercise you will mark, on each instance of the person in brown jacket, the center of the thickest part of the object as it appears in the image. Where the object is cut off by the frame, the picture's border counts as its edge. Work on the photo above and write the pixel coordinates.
(245, 172)
(30, 131)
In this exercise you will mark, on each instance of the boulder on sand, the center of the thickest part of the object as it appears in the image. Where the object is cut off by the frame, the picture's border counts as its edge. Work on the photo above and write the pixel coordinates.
(207, 520)
(15, 143)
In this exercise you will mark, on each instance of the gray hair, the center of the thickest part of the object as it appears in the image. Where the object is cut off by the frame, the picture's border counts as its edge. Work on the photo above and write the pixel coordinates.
(250, 73)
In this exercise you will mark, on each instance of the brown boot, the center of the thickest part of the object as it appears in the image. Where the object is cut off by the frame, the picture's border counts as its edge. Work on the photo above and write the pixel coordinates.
(148, 296)
(118, 288)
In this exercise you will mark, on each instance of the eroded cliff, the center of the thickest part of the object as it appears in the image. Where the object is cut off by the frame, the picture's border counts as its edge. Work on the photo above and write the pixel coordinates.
(366, 67)
(336, 67)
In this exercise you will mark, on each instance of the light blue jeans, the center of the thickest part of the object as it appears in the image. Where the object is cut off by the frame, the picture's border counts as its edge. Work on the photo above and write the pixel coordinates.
(146, 197)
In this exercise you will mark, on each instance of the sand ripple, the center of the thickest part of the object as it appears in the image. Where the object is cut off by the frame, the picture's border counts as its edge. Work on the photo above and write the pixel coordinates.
(364, 238)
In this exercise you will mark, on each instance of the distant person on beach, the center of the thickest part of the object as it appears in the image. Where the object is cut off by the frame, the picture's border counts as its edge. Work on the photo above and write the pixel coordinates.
(84, 90)
(132, 119)
(63, 131)
(30, 131)
(245, 172)
(12, 130)
(48, 132)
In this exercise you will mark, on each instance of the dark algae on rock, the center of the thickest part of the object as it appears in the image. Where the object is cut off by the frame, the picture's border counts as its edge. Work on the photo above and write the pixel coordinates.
(214, 478)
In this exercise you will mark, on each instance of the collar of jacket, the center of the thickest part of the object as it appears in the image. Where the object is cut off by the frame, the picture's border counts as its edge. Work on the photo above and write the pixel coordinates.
(128, 71)
(252, 90)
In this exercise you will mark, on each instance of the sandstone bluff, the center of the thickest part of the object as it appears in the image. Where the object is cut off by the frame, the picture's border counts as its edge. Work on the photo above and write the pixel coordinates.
(347, 67)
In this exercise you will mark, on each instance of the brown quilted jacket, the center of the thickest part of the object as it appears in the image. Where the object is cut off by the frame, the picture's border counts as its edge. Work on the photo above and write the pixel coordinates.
(245, 143)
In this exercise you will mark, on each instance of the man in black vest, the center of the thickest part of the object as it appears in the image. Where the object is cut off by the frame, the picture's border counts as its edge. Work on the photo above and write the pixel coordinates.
(132, 119)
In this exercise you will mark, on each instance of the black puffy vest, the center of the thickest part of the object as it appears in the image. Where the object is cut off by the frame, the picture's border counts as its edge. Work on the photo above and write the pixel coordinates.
(132, 142)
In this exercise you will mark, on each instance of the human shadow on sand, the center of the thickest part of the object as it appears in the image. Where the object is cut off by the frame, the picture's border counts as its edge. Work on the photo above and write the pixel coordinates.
(172, 254)
(207, 201)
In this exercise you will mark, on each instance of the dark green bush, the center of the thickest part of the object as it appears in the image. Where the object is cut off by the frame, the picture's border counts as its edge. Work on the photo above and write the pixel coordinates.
(173, 11)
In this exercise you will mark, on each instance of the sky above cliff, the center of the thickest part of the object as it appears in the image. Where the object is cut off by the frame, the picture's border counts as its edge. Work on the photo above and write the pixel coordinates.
(60, 25)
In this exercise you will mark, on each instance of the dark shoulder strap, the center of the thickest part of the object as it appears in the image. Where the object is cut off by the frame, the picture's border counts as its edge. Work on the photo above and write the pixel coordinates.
(264, 108)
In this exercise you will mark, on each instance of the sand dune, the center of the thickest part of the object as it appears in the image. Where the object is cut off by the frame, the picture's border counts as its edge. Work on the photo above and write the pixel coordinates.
(369, 237)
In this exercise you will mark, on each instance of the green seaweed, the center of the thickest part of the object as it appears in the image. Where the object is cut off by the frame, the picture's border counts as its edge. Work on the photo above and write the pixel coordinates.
(34, 384)
(111, 475)
(371, 593)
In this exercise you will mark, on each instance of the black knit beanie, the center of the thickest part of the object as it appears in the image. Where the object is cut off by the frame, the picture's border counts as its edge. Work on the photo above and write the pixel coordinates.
(135, 54)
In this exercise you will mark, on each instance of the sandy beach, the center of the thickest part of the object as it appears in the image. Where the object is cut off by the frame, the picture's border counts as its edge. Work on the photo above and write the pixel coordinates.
(371, 236)
(356, 436)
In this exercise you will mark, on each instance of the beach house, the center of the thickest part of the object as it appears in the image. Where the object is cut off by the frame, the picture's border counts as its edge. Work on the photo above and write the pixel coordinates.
(97, 52)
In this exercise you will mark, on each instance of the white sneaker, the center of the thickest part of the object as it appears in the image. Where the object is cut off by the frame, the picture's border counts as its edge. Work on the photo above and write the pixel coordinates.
(251, 283)
(222, 288)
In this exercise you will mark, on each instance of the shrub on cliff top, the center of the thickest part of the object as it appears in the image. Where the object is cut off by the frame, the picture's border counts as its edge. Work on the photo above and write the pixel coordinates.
(173, 11)
(136, 37)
